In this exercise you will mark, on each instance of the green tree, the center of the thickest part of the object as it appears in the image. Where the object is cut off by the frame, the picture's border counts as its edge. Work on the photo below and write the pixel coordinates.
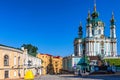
(32, 50)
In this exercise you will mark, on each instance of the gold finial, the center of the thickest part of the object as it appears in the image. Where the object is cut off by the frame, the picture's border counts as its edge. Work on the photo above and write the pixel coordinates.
(112, 15)
(94, 5)
(89, 13)
(80, 23)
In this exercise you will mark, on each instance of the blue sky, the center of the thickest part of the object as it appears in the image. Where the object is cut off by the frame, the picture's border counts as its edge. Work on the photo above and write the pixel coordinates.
(51, 25)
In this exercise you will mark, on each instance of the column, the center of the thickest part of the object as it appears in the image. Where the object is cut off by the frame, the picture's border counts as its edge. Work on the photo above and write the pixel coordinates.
(113, 48)
(109, 48)
(98, 48)
(78, 49)
(88, 48)
(106, 49)
(93, 49)
(116, 48)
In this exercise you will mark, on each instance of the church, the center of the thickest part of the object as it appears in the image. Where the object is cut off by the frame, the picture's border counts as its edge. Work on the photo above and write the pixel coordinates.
(96, 43)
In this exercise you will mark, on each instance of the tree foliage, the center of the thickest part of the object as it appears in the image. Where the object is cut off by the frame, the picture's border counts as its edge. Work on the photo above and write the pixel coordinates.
(32, 50)
(116, 62)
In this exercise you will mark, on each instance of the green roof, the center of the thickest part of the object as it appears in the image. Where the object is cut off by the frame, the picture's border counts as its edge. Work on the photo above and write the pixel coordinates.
(10, 47)
(95, 20)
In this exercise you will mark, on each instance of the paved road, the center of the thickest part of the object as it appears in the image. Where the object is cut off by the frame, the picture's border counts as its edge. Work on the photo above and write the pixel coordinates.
(72, 77)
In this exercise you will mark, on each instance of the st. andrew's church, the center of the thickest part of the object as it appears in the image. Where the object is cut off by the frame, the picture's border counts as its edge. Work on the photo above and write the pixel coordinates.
(96, 43)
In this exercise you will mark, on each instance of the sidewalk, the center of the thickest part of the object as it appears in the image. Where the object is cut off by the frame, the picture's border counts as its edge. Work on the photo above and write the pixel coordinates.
(14, 79)
(20, 78)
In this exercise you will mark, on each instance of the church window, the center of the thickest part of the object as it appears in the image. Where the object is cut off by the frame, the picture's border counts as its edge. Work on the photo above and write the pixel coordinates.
(99, 31)
(92, 32)
(102, 44)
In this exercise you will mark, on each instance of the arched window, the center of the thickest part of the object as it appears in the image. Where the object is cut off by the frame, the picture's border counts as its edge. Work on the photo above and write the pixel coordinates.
(92, 32)
(99, 31)
(6, 60)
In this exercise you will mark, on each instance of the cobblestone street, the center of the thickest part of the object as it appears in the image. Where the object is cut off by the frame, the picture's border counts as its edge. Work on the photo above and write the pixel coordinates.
(72, 77)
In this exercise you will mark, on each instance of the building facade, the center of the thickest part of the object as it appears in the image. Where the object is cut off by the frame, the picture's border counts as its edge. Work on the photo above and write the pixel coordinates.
(57, 64)
(15, 62)
(45, 62)
(70, 63)
(31, 63)
(11, 63)
(96, 43)
(50, 64)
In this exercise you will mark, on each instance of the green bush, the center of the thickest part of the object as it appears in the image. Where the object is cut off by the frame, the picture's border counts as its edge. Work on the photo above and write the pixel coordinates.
(116, 62)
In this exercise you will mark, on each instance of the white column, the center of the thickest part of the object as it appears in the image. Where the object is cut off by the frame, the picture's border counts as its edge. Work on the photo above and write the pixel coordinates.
(91, 49)
(90, 34)
(94, 48)
(98, 48)
(88, 48)
(73, 62)
(113, 48)
(78, 49)
(114, 32)
(109, 48)
(106, 49)
(116, 48)
(87, 32)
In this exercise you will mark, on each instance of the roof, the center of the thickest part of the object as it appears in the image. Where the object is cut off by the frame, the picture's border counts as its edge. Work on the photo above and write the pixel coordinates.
(45, 54)
(50, 55)
(56, 56)
(10, 47)
(93, 57)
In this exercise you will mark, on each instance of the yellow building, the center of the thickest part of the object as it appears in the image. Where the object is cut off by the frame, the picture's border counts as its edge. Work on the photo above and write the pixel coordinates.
(57, 64)
(45, 62)
(11, 63)
(50, 64)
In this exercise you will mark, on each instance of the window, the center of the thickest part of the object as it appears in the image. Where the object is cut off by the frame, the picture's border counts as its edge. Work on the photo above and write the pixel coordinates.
(29, 63)
(92, 32)
(6, 74)
(6, 60)
(19, 61)
(99, 31)
(15, 61)
(102, 51)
